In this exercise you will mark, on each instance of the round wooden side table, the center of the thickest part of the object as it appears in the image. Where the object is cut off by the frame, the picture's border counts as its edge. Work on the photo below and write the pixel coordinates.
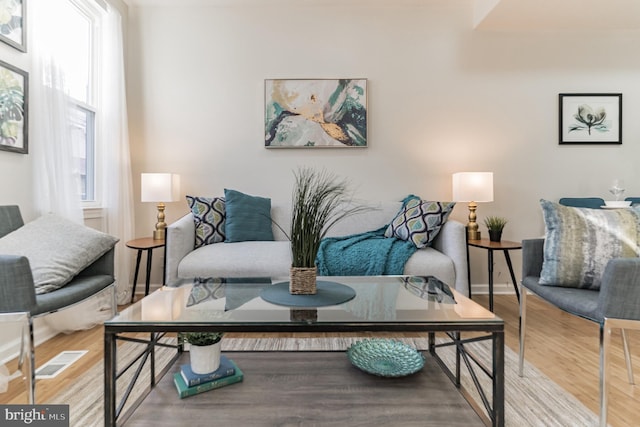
(147, 244)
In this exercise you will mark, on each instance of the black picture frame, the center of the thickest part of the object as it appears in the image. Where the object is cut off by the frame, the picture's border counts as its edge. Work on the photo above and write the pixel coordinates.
(14, 111)
(14, 31)
(590, 118)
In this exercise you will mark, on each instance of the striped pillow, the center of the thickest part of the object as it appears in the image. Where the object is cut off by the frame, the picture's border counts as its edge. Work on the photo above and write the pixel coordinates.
(579, 242)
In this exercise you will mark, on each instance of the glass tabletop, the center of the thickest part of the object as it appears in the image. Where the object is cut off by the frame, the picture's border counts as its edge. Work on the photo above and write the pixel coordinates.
(384, 300)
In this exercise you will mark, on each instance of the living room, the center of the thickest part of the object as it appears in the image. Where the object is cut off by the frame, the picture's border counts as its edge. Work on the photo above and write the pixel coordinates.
(453, 85)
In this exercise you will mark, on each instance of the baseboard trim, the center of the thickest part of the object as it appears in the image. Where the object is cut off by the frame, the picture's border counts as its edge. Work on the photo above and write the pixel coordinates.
(498, 289)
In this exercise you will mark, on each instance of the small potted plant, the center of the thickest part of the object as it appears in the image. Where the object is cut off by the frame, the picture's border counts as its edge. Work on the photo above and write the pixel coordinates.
(204, 351)
(495, 225)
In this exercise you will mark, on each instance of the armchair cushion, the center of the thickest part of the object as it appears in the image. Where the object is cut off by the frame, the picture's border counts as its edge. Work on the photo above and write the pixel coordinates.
(580, 241)
(57, 249)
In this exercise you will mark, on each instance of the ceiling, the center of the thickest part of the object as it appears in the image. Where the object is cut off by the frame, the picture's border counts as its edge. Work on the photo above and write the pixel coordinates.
(496, 15)
(516, 15)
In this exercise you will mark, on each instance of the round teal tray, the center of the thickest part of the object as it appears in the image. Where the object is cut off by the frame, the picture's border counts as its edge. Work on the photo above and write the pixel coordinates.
(385, 358)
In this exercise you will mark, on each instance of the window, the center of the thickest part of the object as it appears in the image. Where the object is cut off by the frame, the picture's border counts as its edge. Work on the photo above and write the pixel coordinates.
(79, 59)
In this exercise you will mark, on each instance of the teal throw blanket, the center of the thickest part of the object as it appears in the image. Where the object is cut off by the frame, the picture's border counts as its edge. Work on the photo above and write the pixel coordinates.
(365, 254)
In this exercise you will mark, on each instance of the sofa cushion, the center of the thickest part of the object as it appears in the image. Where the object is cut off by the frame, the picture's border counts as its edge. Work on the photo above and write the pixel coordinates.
(248, 217)
(580, 241)
(241, 259)
(57, 249)
(419, 221)
(209, 219)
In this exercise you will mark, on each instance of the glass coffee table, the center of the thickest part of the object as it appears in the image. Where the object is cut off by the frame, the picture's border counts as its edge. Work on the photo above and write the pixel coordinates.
(371, 304)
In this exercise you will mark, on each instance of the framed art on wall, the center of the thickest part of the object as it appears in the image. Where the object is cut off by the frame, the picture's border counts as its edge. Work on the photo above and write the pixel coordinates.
(13, 23)
(312, 113)
(590, 118)
(14, 93)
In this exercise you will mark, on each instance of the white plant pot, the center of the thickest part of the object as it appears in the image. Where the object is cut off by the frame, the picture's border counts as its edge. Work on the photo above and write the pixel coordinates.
(205, 359)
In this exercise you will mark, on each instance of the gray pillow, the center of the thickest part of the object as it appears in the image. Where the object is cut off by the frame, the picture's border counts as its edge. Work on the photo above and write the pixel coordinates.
(579, 242)
(57, 248)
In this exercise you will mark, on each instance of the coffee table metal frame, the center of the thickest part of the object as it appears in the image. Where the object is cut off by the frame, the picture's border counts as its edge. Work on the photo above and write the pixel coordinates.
(492, 329)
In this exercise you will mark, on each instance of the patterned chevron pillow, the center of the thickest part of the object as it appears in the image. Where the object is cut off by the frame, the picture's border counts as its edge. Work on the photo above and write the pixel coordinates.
(209, 216)
(419, 221)
(579, 242)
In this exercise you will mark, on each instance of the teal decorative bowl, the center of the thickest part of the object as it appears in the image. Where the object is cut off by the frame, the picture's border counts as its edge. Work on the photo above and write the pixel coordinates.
(385, 358)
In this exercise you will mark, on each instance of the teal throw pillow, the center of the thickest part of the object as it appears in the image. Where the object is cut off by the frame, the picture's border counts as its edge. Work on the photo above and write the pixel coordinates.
(419, 221)
(247, 217)
(209, 219)
(579, 242)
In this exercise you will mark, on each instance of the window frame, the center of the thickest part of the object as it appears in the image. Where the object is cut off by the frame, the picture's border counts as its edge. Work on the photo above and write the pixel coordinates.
(93, 13)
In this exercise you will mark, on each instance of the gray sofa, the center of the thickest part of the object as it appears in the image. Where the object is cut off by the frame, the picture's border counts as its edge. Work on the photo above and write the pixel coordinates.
(18, 292)
(446, 259)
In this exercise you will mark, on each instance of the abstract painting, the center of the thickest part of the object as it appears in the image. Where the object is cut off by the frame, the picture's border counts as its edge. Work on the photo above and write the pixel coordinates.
(314, 113)
(14, 88)
(12, 23)
(594, 118)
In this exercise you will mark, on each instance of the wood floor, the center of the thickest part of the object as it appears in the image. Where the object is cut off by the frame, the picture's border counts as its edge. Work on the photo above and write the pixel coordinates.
(562, 346)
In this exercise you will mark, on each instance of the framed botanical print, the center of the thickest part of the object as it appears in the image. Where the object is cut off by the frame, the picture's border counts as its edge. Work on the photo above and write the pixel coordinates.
(591, 118)
(14, 94)
(13, 20)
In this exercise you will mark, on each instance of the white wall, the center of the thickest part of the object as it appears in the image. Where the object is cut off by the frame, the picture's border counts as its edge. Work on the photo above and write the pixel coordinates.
(442, 98)
(16, 168)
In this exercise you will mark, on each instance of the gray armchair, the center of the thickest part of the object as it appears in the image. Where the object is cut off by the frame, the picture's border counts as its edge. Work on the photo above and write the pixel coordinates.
(615, 306)
(17, 291)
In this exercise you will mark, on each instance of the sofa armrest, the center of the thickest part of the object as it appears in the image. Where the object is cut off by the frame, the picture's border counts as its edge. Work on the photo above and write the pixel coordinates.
(452, 241)
(102, 266)
(532, 257)
(180, 240)
(17, 292)
(619, 295)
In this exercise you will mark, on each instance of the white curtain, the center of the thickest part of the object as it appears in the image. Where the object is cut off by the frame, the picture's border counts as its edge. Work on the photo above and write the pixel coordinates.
(117, 188)
(57, 187)
(56, 180)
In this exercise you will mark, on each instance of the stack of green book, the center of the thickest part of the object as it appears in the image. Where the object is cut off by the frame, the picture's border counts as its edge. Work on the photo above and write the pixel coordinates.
(189, 383)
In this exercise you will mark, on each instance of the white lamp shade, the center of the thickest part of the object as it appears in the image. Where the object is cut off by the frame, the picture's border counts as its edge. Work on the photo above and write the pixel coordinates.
(160, 187)
(473, 187)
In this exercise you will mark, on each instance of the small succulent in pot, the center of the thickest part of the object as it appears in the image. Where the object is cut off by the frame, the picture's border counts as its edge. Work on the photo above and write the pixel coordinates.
(495, 223)
(203, 338)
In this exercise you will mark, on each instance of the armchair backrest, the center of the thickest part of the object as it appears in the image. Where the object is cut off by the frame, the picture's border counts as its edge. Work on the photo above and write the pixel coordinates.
(635, 201)
(10, 219)
(582, 202)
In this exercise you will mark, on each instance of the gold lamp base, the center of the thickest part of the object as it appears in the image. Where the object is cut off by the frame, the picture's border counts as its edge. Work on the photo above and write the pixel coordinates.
(473, 235)
(472, 227)
(160, 232)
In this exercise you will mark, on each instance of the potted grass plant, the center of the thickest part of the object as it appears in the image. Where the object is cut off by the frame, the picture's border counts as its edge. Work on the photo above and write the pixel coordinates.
(495, 225)
(204, 352)
(319, 200)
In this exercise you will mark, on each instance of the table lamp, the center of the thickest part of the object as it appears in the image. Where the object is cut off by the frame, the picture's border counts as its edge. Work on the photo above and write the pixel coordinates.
(473, 187)
(160, 188)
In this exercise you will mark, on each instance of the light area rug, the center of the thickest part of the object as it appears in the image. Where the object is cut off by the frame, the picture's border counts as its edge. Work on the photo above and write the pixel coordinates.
(532, 400)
